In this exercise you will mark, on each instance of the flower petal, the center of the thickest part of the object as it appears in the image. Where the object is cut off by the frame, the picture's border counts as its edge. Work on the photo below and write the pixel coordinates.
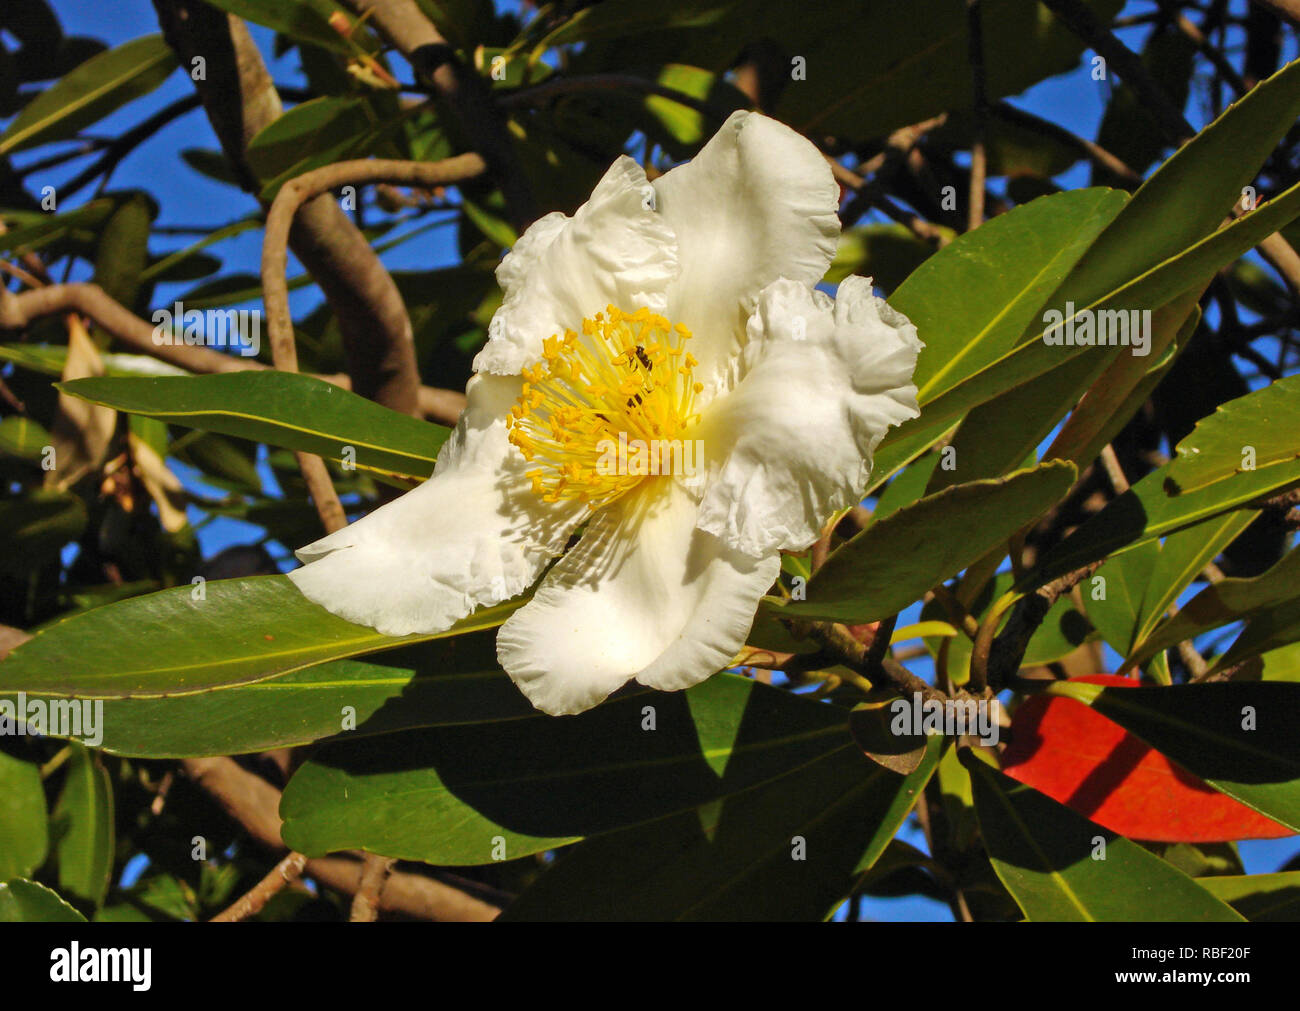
(817, 386)
(473, 534)
(757, 203)
(615, 249)
(643, 595)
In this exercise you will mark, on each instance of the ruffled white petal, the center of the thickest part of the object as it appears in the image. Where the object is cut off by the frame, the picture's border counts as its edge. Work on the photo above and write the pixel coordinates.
(615, 249)
(473, 534)
(817, 386)
(645, 594)
(757, 203)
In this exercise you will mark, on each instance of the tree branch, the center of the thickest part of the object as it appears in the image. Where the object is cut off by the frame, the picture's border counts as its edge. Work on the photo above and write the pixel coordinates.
(436, 67)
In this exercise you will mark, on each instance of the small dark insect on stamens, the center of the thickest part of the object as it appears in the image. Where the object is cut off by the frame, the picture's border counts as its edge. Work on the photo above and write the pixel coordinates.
(643, 357)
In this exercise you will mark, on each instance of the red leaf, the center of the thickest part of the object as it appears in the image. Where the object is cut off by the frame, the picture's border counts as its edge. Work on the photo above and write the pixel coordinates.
(1093, 766)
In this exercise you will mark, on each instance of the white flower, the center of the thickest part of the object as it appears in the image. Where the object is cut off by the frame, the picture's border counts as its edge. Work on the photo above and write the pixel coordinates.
(682, 309)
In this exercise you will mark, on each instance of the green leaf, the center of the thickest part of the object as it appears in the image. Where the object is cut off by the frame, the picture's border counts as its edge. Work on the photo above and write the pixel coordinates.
(919, 62)
(37, 527)
(1269, 898)
(285, 409)
(786, 850)
(1282, 663)
(31, 230)
(1126, 384)
(49, 360)
(1157, 248)
(122, 247)
(1238, 736)
(616, 19)
(893, 562)
(1268, 629)
(83, 817)
(1155, 287)
(239, 631)
(1224, 602)
(99, 86)
(1114, 594)
(24, 824)
(1261, 425)
(1190, 194)
(471, 795)
(1145, 513)
(28, 902)
(1046, 855)
(166, 265)
(300, 20)
(974, 299)
(681, 126)
(997, 435)
(1182, 557)
(450, 682)
(321, 131)
(890, 254)
(22, 437)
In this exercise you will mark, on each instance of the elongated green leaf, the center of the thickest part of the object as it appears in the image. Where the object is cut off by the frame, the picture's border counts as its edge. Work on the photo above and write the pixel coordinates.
(24, 901)
(996, 436)
(1126, 384)
(1175, 208)
(977, 296)
(49, 360)
(893, 562)
(300, 20)
(1145, 512)
(1060, 866)
(164, 266)
(1238, 736)
(22, 437)
(321, 131)
(281, 409)
(1190, 194)
(1268, 629)
(471, 795)
(1156, 286)
(84, 816)
(38, 526)
(236, 632)
(785, 850)
(453, 681)
(682, 126)
(1265, 898)
(97, 87)
(888, 253)
(1182, 557)
(974, 299)
(1114, 595)
(24, 824)
(1254, 432)
(30, 230)
(1224, 602)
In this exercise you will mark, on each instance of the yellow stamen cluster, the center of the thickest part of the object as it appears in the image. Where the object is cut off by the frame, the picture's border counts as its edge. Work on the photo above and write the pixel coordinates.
(627, 374)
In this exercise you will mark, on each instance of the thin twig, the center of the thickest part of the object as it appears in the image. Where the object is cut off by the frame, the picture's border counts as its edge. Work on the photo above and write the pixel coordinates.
(374, 875)
(275, 286)
(255, 899)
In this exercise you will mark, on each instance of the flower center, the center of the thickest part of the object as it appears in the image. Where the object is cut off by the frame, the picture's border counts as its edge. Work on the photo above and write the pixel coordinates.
(626, 382)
